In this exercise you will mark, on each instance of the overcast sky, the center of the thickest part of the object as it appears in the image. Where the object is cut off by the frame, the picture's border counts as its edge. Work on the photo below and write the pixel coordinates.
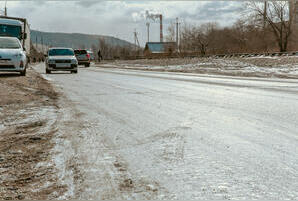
(120, 18)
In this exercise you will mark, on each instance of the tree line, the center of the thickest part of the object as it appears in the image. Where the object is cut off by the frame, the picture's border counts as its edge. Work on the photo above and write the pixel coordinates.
(110, 51)
(264, 27)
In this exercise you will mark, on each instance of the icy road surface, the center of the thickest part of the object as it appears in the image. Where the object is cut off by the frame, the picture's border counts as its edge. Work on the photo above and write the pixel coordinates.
(160, 135)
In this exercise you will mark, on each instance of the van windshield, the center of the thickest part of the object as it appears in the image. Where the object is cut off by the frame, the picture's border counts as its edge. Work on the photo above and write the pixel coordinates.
(61, 52)
(9, 43)
(10, 30)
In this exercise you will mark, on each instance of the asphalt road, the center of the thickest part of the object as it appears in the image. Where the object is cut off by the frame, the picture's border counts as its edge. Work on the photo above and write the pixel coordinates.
(161, 135)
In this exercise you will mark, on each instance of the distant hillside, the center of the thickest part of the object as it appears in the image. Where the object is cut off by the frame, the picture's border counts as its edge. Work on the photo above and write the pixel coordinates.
(74, 40)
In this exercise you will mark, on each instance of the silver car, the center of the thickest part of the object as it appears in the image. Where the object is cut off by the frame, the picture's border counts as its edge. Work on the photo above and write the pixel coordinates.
(61, 59)
(12, 56)
(83, 57)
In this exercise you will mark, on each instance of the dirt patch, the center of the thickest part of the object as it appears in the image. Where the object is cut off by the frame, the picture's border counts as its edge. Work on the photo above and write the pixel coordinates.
(28, 112)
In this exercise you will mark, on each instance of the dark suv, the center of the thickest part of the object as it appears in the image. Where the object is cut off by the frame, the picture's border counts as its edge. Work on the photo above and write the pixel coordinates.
(83, 57)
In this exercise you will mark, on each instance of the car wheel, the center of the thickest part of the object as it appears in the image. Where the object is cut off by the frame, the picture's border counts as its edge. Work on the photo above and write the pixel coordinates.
(87, 65)
(48, 71)
(23, 73)
(74, 71)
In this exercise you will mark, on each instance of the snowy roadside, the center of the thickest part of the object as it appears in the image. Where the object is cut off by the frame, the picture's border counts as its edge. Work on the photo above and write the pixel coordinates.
(281, 67)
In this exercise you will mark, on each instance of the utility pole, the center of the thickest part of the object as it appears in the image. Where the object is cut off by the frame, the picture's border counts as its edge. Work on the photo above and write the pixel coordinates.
(36, 43)
(137, 44)
(135, 38)
(265, 14)
(5, 9)
(177, 33)
(41, 44)
(148, 31)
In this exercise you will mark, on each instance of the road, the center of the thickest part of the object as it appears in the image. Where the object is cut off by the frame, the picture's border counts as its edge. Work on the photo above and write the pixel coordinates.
(157, 135)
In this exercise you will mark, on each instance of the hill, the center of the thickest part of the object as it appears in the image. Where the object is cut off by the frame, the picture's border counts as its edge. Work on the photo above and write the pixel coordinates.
(74, 40)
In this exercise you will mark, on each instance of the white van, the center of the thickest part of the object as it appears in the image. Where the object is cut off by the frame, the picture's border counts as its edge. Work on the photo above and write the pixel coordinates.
(16, 27)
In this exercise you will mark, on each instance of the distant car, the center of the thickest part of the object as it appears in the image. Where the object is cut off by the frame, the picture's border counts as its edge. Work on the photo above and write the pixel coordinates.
(12, 56)
(92, 57)
(61, 59)
(83, 57)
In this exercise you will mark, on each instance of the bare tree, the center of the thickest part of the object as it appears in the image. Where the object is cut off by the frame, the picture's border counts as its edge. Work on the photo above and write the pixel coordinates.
(198, 38)
(112, 51)
(170, 37)
(277, 16)
(104, 48)
(239, 34)
(205, 35)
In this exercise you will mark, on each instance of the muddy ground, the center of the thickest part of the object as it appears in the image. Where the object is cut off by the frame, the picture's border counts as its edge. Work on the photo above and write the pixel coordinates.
(28, 110)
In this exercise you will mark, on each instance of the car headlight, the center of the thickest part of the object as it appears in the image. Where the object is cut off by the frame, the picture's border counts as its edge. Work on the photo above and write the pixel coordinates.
(18, 55)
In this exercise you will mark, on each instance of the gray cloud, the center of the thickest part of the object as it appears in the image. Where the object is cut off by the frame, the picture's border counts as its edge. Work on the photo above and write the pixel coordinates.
(120, 18)
(89, 3)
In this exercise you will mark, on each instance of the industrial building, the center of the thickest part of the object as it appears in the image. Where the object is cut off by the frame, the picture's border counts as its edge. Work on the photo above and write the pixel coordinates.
(152, 48)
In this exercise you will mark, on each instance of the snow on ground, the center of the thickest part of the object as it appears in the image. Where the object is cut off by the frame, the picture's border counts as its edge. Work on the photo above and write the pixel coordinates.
(261, 66)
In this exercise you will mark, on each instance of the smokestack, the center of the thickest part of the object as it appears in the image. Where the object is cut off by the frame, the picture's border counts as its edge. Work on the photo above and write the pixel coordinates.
(161, 34)
(154, 17)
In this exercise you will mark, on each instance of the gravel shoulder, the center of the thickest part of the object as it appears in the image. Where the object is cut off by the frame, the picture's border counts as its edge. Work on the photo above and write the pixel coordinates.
(28, 115)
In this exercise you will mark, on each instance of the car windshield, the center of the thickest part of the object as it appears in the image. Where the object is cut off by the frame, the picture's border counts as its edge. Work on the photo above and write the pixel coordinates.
(9, 43)
(61, 52)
